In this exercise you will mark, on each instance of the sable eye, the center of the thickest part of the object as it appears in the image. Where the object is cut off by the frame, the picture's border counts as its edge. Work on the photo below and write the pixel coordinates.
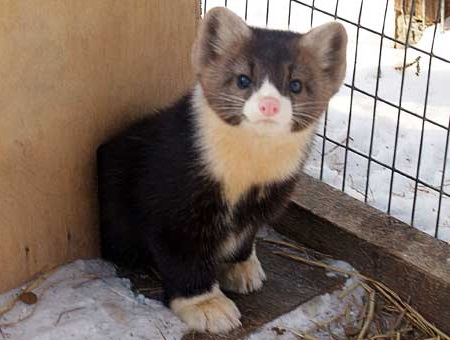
(243, 82)
(295, 86)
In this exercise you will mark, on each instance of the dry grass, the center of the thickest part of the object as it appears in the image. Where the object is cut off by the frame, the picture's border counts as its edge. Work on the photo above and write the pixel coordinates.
(384, 316)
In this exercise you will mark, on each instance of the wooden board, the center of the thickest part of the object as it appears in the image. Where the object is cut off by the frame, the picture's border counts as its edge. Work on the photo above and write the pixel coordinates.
(71, 73)
(425, 13)
(412, 263)
(289, 285)
(431, 9)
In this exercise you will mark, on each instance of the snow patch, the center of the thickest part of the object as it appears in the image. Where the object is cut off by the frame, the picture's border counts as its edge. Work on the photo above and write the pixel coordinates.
(76, 306)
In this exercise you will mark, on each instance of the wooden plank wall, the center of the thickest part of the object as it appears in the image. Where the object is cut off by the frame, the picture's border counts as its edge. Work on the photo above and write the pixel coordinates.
(71, 73)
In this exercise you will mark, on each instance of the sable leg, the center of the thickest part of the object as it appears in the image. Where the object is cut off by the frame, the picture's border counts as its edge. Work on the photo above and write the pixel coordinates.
(244, 275)
(193, 294)
(210, 312)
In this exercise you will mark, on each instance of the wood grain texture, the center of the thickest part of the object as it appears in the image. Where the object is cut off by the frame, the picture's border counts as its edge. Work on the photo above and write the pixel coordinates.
(71, 73)
(410, 262)
(431, 9)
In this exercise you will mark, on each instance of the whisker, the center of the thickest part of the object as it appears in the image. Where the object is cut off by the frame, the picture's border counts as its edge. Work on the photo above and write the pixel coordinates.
(304, 114)
(230, 101)
(221, 107)
(313, 102)
(303, 119)
(309, 105)
(309, 109)
(224, 102)
(314, 114)
(231, 97)
(307, 115)
(301, 123)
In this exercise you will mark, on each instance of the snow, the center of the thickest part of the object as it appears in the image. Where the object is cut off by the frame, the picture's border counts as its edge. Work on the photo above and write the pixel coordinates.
(386, 117)
(86, 300)
(76, 306)
(319, 309)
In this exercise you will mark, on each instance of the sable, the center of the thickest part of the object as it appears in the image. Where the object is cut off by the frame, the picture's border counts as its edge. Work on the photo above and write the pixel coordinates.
(184, 190)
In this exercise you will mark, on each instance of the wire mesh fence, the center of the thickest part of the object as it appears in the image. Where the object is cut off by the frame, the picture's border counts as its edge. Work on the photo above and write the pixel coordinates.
(385, 136)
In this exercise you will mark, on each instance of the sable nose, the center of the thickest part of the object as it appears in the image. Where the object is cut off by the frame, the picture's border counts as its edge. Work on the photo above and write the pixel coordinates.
(269, 106)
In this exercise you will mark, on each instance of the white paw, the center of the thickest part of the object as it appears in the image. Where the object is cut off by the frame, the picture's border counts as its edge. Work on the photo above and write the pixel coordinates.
(242, 277)
(211, 312)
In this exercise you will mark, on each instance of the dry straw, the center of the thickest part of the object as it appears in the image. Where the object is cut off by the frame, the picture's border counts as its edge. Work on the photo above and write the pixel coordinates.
(374, 289)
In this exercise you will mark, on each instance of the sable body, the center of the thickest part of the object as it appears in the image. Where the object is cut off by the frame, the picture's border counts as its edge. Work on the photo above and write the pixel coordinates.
(159, 203)
(186, 189)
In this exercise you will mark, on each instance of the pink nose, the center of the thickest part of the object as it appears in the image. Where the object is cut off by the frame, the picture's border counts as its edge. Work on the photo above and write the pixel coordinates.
(269, 106)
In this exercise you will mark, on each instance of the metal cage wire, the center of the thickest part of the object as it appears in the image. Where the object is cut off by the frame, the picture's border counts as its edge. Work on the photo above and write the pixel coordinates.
(440, 190)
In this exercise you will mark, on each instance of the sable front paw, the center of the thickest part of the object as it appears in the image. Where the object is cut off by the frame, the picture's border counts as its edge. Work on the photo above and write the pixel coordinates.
(242, 277)
(210, 312)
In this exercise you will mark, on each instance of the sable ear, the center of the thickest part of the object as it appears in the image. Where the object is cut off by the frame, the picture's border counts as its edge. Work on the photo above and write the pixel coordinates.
(219, 31)
(328, 43)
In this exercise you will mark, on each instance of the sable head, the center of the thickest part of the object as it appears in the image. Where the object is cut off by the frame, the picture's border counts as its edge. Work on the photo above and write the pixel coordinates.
(268, 80)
